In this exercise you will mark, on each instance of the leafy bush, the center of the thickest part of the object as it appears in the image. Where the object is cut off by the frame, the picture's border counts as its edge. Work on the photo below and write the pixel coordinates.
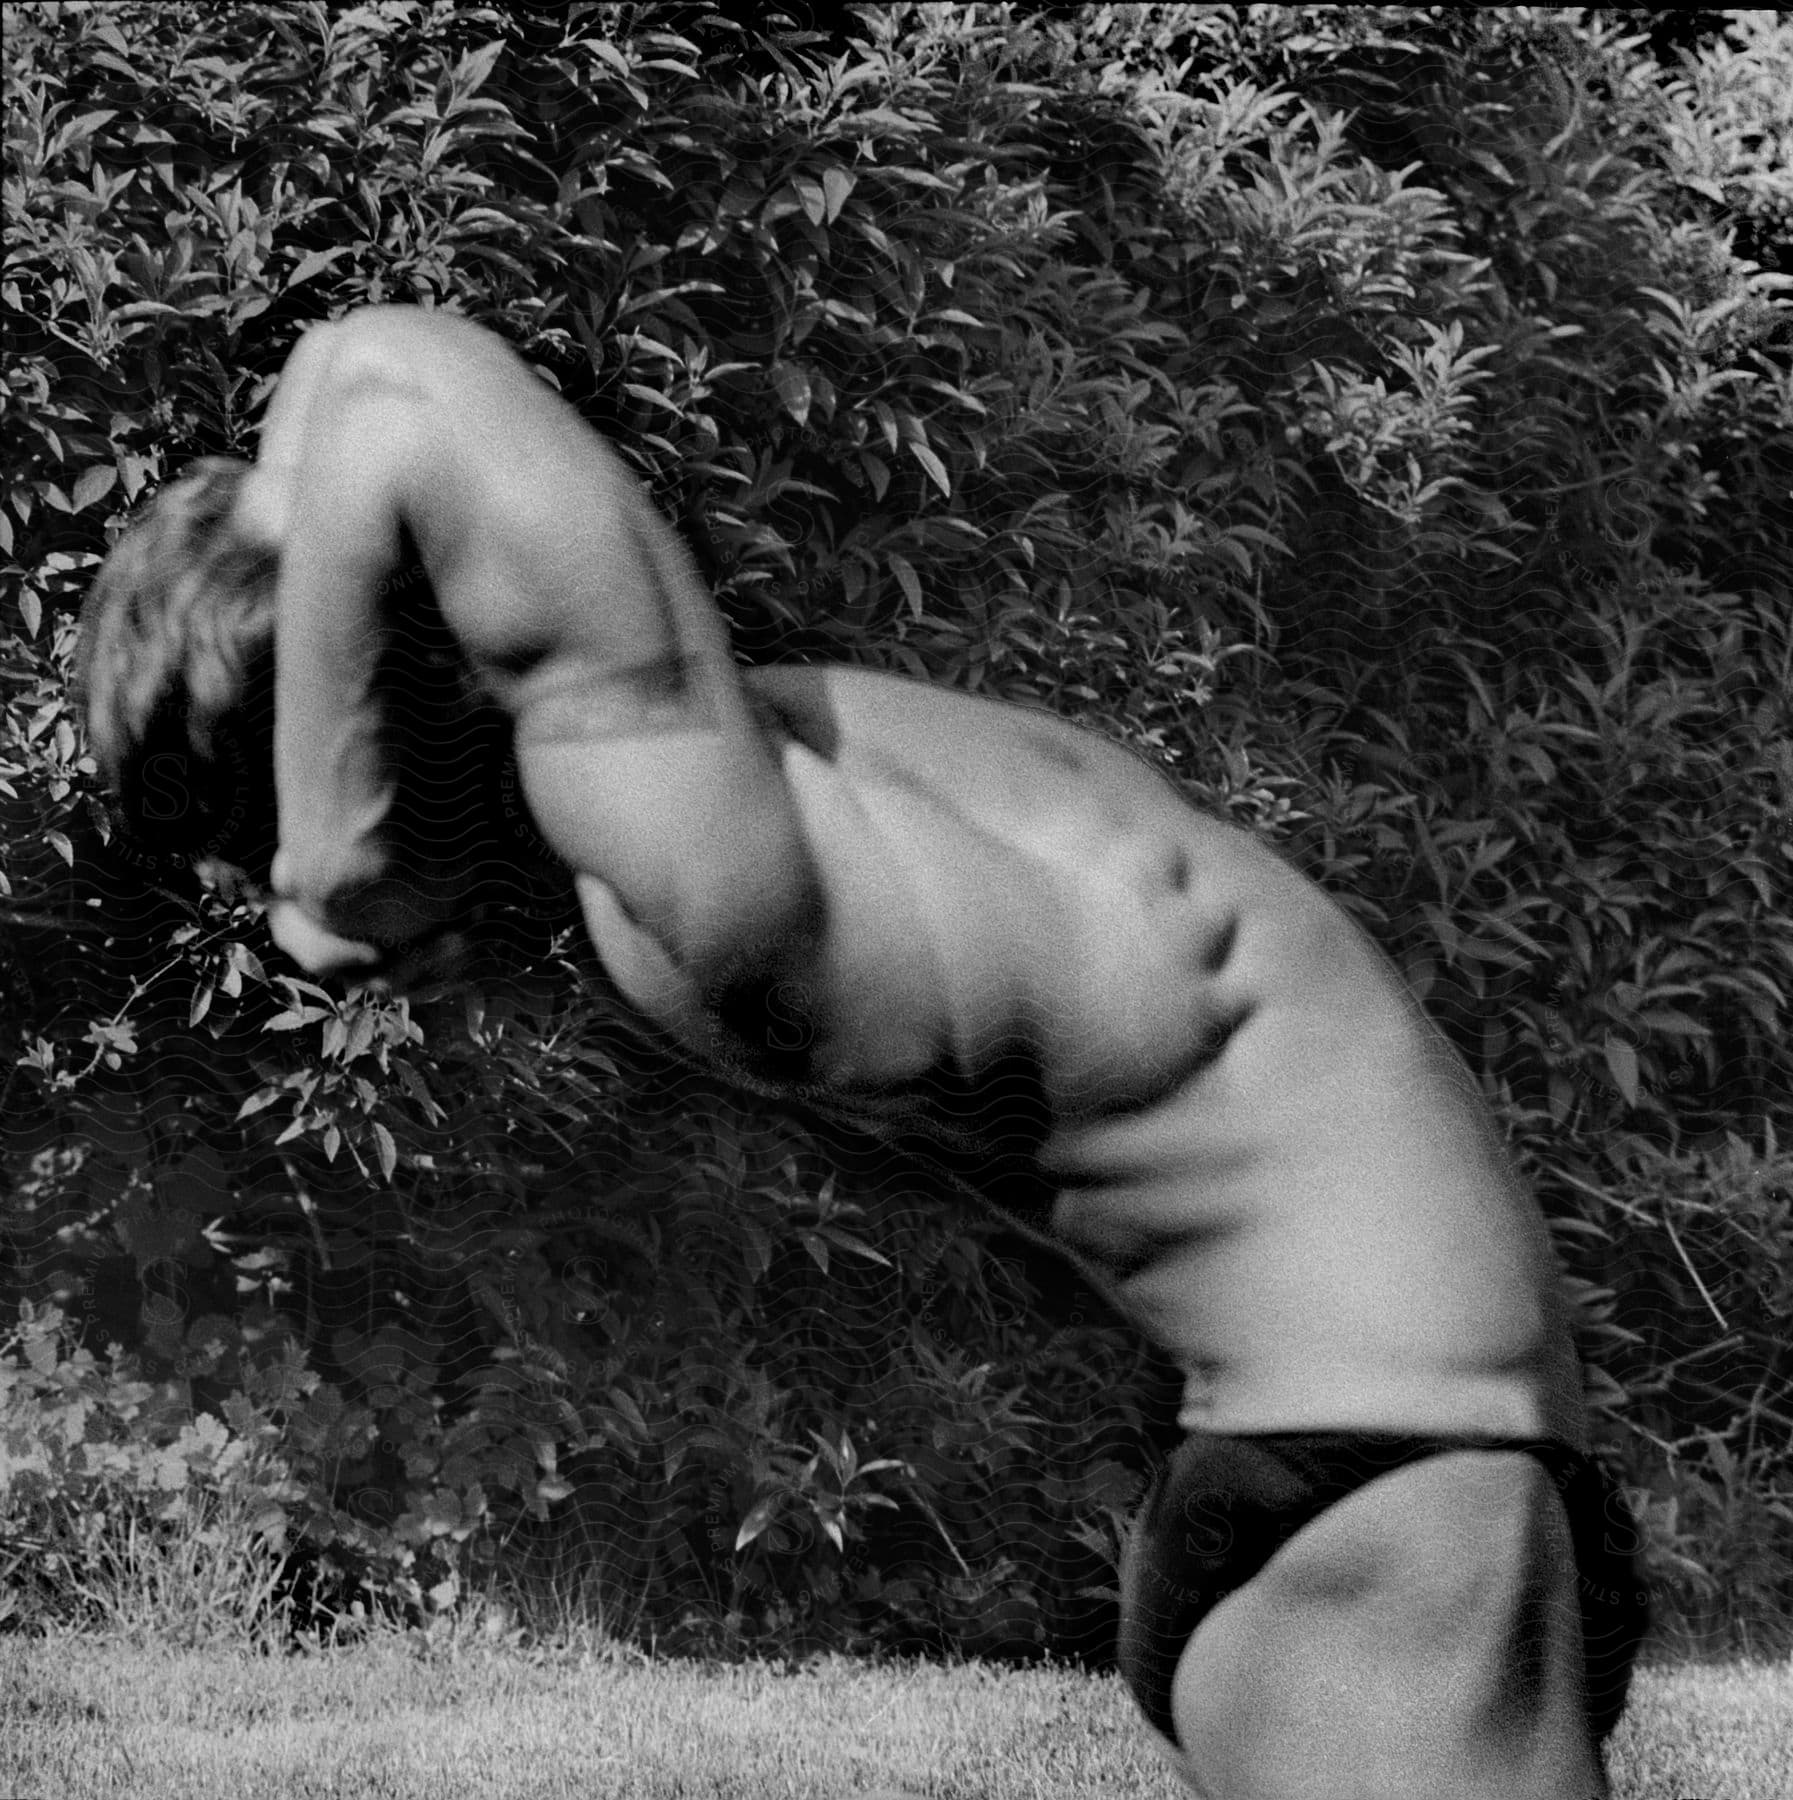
(118, 1505)
(1365, 413)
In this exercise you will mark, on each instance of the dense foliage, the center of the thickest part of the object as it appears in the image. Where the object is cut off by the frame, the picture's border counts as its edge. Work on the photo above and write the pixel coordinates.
(1375, 416)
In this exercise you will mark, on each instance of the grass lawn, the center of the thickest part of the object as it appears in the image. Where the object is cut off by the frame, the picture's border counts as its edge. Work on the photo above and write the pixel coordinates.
(83, 1717)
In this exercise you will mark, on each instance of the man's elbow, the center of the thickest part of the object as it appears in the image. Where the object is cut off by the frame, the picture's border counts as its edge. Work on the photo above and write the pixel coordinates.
(753, 918)
(753, 946)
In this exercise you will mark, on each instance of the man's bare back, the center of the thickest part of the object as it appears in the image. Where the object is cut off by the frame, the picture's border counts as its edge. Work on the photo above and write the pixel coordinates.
(1259, 1147)
(965, 920)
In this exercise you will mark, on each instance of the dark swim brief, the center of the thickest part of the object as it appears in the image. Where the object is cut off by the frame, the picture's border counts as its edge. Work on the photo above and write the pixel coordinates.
(1223, 1506)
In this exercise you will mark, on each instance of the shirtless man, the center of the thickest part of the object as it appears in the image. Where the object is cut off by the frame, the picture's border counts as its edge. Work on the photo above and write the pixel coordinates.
(1379, 1565)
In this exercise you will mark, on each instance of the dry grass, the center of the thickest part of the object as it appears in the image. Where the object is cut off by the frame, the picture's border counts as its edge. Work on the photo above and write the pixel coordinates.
(1708, 1733)
(82, 1718)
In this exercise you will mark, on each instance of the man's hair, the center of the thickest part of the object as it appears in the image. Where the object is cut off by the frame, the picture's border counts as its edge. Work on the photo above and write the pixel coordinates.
(176, 672)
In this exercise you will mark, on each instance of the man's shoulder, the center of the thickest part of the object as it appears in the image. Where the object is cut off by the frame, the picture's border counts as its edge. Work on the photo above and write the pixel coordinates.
(833, 706)
(392, 326)
(411, 349)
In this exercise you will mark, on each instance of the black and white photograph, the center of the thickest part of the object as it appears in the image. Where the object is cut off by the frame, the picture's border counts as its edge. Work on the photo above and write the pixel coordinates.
(896, 901)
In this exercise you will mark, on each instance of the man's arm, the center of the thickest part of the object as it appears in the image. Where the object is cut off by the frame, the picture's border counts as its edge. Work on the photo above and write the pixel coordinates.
(348, 492)
(640, 761)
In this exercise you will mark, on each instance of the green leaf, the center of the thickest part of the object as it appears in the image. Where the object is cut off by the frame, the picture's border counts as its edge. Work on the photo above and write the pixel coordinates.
(269, 1524)
(935, 467)
(792, 382)
(472, 70)
(756, 1521)
(837, 184)
(386, 1148)
(845, 1240)
(910, 583)
(95, 484)
(812, 197)
(419, 1091)
(1621, 1064)
(314, 262)
(294, 1018)
(624, 1402)
(76, 131)
(244, 961)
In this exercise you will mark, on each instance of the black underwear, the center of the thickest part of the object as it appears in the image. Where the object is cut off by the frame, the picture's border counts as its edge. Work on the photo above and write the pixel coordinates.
(1223, 1506)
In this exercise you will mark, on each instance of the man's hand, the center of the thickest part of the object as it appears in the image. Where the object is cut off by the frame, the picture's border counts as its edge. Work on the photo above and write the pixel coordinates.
(423, 948)
(382, 915)
(317, 950)
(423, 962)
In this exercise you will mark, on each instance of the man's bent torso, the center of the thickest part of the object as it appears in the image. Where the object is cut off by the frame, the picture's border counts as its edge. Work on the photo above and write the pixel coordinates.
(1257, 1144)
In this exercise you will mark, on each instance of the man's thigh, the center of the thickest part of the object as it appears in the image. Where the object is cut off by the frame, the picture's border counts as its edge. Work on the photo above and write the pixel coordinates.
(1420, 1637)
